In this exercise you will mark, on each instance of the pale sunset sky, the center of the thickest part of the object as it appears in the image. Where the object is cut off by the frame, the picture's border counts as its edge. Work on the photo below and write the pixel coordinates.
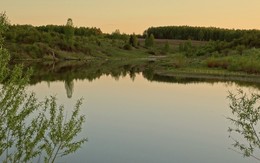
(135, 15)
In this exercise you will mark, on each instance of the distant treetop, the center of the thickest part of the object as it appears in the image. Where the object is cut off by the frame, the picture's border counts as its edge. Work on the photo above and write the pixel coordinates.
(69, 22)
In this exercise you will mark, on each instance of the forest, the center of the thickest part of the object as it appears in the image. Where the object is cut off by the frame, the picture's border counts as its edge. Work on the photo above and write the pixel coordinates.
(248, 38)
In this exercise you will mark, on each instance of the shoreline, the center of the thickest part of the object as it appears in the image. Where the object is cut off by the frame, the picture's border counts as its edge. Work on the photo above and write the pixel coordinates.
(251, 78)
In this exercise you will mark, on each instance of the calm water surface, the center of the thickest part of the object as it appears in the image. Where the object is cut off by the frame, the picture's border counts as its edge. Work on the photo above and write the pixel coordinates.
(149, 122)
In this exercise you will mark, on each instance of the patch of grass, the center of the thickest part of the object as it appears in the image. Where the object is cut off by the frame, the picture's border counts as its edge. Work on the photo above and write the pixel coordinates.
(249, 62)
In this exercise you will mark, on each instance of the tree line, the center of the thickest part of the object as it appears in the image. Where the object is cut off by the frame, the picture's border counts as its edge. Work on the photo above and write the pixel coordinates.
(30, 34)
(41, 40)
(249, 37)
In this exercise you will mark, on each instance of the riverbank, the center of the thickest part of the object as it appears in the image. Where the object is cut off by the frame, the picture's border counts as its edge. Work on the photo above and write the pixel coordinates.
(49, 44)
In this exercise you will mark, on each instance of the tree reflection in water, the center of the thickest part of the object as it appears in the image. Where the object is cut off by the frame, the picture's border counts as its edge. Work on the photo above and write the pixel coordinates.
(69, 86)
(245, 130)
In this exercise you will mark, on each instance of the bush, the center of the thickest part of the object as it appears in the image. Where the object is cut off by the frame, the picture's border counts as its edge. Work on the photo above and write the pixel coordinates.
(187, 48)
(166, 48)
(133, 40)
(179, 61)
(218, 63)
(240, 49)
(128, 47)
(152, 52)
(251, 66)
(149, 40)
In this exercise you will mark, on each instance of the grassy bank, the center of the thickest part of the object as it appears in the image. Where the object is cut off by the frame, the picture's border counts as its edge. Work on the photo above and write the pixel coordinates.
(53, 44)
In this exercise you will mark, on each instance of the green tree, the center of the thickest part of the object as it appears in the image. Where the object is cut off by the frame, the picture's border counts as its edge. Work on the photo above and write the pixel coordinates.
(201, 35)
(69, 32)
(133, 40)
(149, 40)
(116, 32)
(4, 23)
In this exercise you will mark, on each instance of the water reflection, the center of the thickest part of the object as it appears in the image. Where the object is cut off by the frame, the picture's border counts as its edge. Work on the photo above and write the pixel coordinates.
(33, 131)
(245, 129)
(69, 86)
(158, 132)
(67, 71)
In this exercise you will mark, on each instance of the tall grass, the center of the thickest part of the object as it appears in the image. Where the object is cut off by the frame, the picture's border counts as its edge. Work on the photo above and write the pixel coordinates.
(248, 62)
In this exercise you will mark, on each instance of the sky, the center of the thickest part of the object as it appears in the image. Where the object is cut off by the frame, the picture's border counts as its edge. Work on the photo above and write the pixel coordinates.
(134, 16)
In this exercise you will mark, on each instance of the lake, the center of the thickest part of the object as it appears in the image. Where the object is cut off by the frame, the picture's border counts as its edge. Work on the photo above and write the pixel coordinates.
(132, 119)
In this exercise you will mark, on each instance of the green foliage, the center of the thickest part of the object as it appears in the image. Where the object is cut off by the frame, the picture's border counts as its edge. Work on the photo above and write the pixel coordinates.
(200, 35)
(85, 31)
(149, 40)
(4, 23)
(16, 106)
(116, 34)
(22, 140)
(205, 33)
(221, 47)
(26, 130)
(246, 111)
(128, 47)
(186, 48)
(249, 62)
(25, 41)
(61, 134)
(178, 61)
(69, 32)
(213, 62)
(249, 39)
(152, 51)
(78, 31)
(166, 47)
(60, 42)
(133, 40)
(240, 49)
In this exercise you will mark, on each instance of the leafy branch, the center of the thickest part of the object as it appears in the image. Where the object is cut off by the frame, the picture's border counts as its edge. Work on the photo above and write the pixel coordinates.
(246, 111)
(29, 128)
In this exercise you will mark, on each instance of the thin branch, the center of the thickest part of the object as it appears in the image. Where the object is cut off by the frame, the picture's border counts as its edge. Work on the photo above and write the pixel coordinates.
(255, 133)
(57, 151)
(258, 159)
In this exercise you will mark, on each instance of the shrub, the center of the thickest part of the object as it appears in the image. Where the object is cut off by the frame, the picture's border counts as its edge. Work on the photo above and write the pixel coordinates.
(218, 63)
(166, 48)
(128, 47)
(179, 61)
(149, 40)
(240, 49)
(152, 52)
(133, 40)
